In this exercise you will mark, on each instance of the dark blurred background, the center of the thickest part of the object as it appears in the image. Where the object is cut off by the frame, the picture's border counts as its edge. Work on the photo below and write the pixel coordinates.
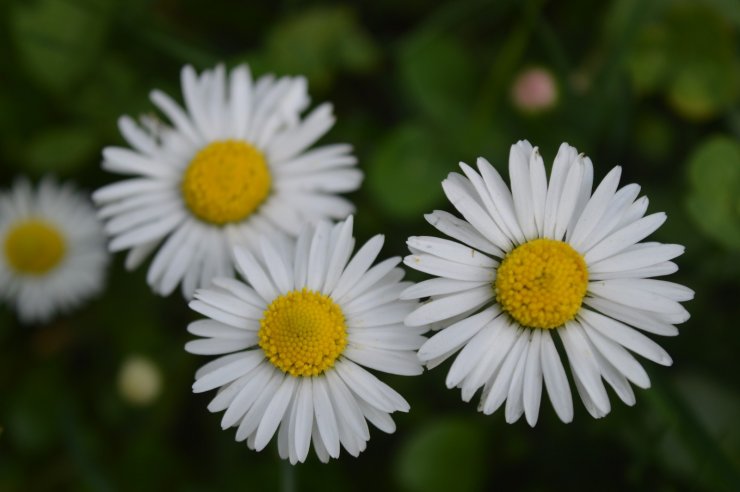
(100, 399)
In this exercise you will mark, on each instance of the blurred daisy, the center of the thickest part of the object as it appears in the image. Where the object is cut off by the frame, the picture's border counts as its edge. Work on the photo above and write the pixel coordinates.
(53, 249)
(544, 259)
(232, 167)
(298, 335)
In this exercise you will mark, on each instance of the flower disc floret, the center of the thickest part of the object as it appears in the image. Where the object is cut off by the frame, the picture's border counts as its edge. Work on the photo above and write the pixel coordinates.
(303, 333)
(34, 247)
(541, 283)
(226, 181)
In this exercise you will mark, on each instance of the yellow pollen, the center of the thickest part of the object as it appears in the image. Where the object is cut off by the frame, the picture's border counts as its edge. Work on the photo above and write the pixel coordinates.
(226, 181)
(34, 247)
(303, 332)
(541, 283)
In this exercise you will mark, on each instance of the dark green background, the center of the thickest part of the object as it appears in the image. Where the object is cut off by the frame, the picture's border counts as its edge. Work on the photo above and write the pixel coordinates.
(417, 86)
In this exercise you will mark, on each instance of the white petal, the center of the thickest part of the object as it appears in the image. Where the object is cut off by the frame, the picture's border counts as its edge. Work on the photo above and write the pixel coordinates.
(471, 354)
(255, 274)
(229, 304)
(556, 381)
(562, 164)
(514, 404)
(256, 412)
(496, 390)
(532, 389)
(595, 208)
(326, 421)
(449, 306)
(274, 412)
(377, 276)
(643, 320)
(490, 362)
(388, 361)
(569, 199)
(214, 346)
(370, 388)
(247, 395)
(472, 211)
(584, 364)
(538, 183)
(619, 358)
(458, 229)
(342, 250)
(317, 257)
(639, 299)
(521, 187)
(451, 250)
(624, 238)
(434, 265)
(439, 286)
(358, 265)
(304, 418)
(488, 200)
(456, 335)
(280, 271)
(503, 201)
(626, 336)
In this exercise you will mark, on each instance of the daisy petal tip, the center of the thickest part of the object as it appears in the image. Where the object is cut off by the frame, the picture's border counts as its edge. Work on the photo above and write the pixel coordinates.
(482, 161)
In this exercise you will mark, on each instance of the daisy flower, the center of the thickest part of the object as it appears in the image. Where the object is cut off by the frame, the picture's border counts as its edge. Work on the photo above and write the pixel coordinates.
(539, 260)
(53, 249)
(297, 334)
(231, 166)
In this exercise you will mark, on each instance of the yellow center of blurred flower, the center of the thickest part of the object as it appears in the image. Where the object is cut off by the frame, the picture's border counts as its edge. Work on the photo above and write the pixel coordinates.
(226, 181)
(303, 332)
(541, 283)
(34, 247)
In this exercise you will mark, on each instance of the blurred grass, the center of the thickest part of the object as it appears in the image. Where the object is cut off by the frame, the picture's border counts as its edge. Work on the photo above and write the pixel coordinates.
(417, 86)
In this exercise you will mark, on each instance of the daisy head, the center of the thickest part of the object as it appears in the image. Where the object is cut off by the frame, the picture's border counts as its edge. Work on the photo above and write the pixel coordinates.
(53, 253)
(541, 260)
(299, 335)
(228, 167)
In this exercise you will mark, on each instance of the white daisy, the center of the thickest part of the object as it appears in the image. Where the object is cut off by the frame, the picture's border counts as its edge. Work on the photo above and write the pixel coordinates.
(541, 259)
(232, 167)
(53, 249)
(297, 335)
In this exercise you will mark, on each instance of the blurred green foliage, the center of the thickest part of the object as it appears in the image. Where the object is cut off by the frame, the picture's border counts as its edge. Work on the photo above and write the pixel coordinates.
(417, 86)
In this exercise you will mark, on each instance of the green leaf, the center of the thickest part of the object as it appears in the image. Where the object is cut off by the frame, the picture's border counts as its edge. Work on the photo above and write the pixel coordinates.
(58, 40)
(648, 63)
(61, 149)
(689, 54)
(438, 74)
(446, 454)
(700, 454)
(705, 76)
(405, 172)
(713, 203)
(320, 42)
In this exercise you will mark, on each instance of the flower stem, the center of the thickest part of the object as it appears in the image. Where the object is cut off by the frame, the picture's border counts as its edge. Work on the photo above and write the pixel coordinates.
(287, 476)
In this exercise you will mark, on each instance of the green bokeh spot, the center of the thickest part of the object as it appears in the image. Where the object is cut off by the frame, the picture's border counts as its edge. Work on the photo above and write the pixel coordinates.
(689, 55)
(405, 172)
(61, 150)
(58, 40)
(437, 74)
(320, 42)
(445, 455)
(714, 199)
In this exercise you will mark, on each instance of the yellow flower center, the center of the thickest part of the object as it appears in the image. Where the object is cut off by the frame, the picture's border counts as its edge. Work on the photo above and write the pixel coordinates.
(34, 247)
(226, 181)
(303, 332)
(541, 283)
